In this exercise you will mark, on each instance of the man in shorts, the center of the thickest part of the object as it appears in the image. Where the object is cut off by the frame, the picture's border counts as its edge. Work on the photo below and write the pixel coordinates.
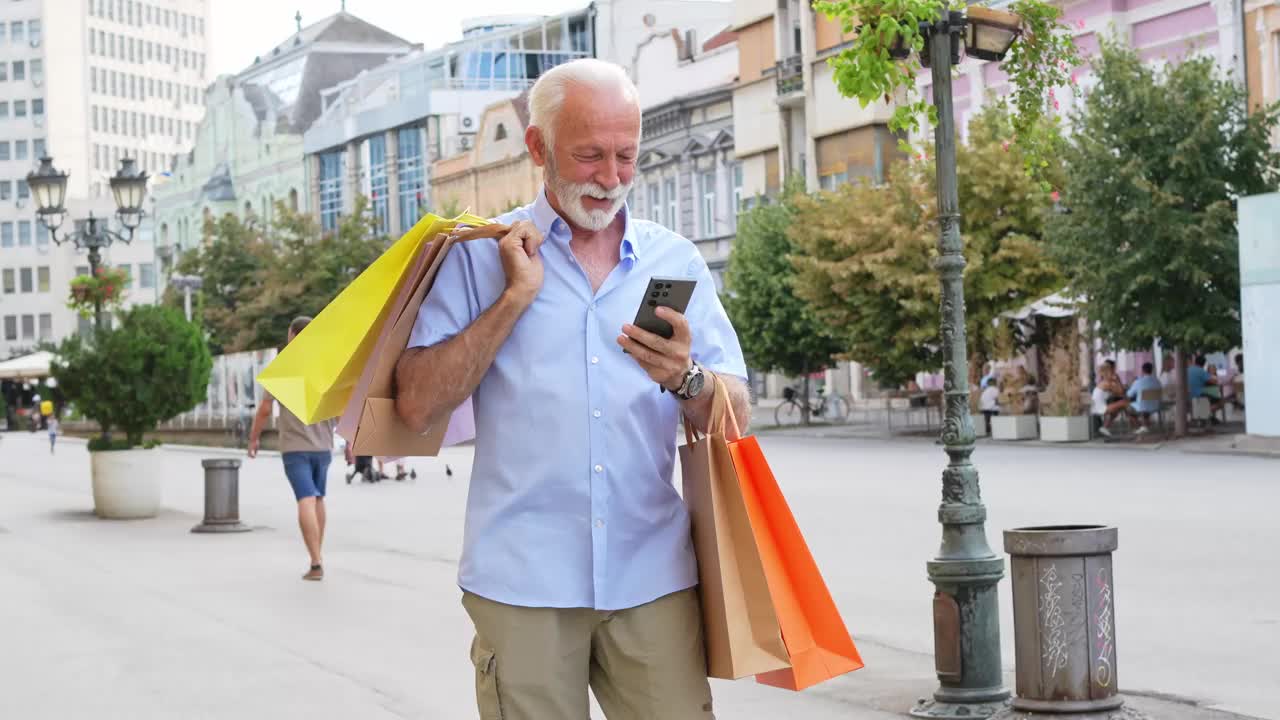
(306, 451)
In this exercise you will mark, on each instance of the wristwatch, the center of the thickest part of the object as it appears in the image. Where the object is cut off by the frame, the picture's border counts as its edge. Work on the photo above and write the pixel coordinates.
(691, 385)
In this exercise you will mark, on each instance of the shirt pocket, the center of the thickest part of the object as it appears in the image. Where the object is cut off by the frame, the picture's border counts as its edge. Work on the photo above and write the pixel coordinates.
(486, 663)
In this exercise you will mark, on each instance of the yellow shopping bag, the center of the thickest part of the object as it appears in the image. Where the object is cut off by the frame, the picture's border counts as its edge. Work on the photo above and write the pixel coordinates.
(314, 375)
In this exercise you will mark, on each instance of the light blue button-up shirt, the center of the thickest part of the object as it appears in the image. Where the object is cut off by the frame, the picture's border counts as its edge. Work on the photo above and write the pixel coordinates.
(571, 501)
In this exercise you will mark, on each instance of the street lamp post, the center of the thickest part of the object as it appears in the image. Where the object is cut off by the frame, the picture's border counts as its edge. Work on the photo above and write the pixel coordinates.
(128, 186)
(966, 572)
(186, 283)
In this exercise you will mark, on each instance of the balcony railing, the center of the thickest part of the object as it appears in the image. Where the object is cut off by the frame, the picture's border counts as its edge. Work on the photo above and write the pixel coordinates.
(789, 73)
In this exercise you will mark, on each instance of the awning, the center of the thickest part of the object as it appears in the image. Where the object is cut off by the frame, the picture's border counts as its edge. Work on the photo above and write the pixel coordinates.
(27, 367)
(1056, 305)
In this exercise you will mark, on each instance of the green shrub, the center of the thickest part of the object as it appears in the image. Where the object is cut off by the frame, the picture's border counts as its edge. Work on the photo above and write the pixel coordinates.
(153, 367)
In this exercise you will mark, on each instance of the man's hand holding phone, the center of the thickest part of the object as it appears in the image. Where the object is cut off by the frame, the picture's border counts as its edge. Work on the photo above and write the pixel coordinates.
(665, 360)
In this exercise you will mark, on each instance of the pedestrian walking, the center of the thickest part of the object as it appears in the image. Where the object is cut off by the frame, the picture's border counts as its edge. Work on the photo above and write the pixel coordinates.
(577, 567)
(306, 451)
(54, 429)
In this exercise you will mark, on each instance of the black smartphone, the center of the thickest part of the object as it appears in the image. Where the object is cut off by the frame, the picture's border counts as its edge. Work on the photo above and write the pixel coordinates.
(668, 292)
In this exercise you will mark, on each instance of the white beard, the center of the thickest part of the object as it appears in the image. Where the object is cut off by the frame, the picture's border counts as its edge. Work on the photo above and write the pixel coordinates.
(570, 196)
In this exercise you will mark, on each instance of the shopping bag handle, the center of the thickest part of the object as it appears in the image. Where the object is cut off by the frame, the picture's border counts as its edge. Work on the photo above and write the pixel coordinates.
(723, 420)
(477, 232)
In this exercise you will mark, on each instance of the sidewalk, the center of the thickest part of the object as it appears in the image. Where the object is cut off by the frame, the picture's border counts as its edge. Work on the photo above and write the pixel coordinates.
(144, 620)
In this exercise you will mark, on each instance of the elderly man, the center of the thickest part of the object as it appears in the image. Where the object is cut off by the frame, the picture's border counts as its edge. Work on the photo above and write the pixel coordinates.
(577, 567)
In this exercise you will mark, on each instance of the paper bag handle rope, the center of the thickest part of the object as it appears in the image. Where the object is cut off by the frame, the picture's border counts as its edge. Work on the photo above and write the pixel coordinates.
(492, 230)
(722, 417)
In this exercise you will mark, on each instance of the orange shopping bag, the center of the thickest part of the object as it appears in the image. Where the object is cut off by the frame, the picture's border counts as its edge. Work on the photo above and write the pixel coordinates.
(817, 641)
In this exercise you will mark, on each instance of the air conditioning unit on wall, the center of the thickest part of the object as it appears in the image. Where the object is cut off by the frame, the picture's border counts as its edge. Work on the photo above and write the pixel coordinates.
(464, 143)
(468, 124)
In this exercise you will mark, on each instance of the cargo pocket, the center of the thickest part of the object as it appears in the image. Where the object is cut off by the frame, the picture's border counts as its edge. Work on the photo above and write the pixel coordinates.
(486, 681)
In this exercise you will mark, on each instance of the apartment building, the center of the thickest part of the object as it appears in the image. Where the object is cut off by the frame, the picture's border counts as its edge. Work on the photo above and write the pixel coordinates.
(88, 82)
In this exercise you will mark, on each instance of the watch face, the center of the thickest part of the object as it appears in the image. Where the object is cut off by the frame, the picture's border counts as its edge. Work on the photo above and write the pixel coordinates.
(695, 385)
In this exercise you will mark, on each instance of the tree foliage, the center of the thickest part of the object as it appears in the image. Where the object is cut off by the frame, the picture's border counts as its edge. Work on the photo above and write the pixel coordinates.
(1155, 165)
(151, 368)
(779, 331)
(257, 279)
(865, 254)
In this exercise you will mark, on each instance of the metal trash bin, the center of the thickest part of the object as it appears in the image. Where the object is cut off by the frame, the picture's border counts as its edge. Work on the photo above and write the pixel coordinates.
(221, 497)
(1064, 618)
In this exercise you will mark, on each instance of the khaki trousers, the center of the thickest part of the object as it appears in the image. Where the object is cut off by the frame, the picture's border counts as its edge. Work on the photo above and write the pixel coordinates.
(645, 663)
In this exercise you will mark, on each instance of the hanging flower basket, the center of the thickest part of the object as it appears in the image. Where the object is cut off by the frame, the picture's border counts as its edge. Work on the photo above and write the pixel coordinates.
(107, 287)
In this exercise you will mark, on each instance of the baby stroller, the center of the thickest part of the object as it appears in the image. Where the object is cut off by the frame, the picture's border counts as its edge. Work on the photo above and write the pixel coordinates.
(364, 468)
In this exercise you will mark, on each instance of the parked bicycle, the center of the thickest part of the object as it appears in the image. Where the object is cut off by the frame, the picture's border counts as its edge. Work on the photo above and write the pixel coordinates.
(825, 406)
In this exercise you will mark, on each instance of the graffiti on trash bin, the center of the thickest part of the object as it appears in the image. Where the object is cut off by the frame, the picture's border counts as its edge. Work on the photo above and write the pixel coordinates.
(1056, 651)
(1103, 621)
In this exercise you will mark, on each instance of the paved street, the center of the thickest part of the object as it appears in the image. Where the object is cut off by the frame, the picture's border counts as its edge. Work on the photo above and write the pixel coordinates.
(145, 620)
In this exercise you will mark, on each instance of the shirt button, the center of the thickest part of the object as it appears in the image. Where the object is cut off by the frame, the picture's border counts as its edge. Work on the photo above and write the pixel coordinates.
(599, 468)
(596, 413)
(599, 523)
(595, 360)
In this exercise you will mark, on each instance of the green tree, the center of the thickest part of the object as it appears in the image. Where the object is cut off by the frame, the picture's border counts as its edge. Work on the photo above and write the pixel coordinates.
(230, 260)
(153, 367)
(1155, 166)
(779, 331)
(309, 269)
(865, 254)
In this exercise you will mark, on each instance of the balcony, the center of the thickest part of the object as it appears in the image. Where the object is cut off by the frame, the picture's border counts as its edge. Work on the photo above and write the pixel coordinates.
(789, 74)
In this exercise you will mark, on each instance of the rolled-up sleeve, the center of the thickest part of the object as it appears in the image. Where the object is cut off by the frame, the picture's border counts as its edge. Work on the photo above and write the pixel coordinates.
(715, 343)
(450, 306)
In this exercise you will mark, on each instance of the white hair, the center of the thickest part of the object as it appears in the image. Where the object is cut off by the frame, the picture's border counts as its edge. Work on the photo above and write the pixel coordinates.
(548, 94)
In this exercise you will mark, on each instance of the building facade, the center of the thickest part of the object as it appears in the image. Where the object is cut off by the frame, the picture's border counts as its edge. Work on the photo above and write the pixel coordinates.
(1262, 52)
(496, 174)
(248, 153)
(87, 82)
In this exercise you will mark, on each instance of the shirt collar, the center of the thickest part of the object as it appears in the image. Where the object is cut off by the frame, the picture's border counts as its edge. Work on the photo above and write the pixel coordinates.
(545, 218)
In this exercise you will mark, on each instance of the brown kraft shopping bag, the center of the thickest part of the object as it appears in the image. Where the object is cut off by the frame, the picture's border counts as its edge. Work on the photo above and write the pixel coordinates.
(378, 430)
(740, 625)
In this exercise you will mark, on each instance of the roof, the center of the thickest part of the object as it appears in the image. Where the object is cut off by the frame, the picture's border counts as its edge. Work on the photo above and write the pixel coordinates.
(341, 27)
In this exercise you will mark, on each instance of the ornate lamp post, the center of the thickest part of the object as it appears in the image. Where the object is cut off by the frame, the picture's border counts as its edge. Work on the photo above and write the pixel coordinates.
(128, 186)
(966, 572)
(186, 283)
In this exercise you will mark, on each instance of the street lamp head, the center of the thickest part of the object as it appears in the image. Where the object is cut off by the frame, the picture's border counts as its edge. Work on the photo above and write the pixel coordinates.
(50, 189)
(989, 33)
(129, 186)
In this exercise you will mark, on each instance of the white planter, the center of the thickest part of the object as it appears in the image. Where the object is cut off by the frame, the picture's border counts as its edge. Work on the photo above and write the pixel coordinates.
(126, 485)
(1013, 427)
(1074, 428)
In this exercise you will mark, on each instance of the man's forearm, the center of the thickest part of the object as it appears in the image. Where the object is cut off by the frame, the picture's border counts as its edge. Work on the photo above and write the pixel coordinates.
(432, 382)
(699, 409)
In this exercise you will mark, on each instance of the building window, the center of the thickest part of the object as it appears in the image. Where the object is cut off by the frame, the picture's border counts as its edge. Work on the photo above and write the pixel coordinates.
(19, 108)
(24, 190)
(37, 107)
(707, 186)
(37, 147)
(655, 202)
(24, 233)
(737, 189)
(330, 189)
(4, 72)
(6, 190)
(293, 199)
(42, 235)
(28, 327)
(19, 70)
(669, 193)
(4, 150)
(46, 327)
(10, 281)
(37, 71)
(378, 184)
(410, 165)
(25, 280)
(10, 326)
(42, 279)
(20, 151)
(127, 269)
(18, 31)
(4, 109)
(34, 32)
(146, 276)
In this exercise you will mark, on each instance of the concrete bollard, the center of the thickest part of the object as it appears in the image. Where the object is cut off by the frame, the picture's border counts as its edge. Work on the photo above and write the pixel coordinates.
(1064, 621)
(221, 497)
